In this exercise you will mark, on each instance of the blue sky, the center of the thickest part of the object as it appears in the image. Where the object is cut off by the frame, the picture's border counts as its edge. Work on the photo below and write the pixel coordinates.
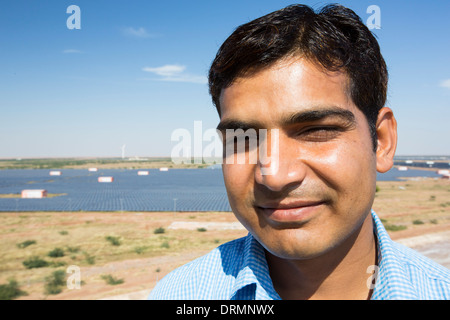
(136, 71)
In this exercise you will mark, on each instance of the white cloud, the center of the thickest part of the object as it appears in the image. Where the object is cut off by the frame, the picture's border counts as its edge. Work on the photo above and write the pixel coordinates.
(136, 32)
(72, 51)
(445, 83)
(175, 73)
(167, 70)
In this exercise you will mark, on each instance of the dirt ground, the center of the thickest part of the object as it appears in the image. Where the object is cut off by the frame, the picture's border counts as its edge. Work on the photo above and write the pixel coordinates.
(151, 244)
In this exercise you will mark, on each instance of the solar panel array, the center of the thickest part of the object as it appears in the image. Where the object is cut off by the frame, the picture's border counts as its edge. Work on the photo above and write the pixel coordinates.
(177, 189)
(173, 190)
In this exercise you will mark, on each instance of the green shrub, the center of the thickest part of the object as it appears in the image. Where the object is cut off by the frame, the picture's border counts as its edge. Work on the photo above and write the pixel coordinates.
(140, 250)
(159, 230)
(73, 249)
(57, 264)
(26, 243)
(165, 245)
(89, 259)
(56, 253)
(394, 227)
(11, 290)
(55, 282)
(201, 229)
(113, 240)
(111, 280)
(35, 262)
(418, 222)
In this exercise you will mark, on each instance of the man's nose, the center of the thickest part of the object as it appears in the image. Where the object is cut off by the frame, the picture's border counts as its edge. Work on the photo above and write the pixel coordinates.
(282, 168)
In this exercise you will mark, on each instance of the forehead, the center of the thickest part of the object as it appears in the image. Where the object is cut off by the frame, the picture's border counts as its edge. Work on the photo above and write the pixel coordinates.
(289, 86)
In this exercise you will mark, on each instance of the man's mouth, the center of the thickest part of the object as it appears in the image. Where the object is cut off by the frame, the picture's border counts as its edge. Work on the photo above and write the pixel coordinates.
(295, 211)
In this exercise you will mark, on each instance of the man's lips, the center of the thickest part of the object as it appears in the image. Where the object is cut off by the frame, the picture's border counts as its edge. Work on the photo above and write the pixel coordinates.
(292, 211)
(290, 204)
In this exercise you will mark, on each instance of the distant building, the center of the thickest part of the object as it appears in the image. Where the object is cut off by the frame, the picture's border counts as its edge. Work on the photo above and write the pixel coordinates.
(34, 194)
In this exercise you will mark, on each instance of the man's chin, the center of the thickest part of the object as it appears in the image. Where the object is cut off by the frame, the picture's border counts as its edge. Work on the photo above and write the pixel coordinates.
(295, 244)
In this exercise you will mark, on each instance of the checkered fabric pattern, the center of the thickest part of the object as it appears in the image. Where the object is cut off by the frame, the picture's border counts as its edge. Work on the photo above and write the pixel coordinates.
(238, 270)
(404, 274)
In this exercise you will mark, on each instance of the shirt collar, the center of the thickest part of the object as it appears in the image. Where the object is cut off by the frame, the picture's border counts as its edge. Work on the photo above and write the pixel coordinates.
(255, 271)
(392, 281)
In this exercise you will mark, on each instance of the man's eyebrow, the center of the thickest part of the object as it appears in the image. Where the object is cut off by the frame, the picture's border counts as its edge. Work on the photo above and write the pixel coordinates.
(320, 114)
(295, 118)
(238, 124)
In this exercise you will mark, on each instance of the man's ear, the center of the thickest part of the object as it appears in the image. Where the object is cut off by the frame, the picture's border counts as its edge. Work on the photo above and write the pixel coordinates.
(386, 129)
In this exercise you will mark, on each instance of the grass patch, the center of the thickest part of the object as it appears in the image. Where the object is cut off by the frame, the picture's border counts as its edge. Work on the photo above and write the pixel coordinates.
(73, 249)
(56, 253)
(159, 230)
(165, 245)
(10, 196)
(86, 244)
(26, 243)
(394, 227)
(11, 290)
(141, 250)
(35, 262)
(109, 279)
(113, 240)
(89, 259)
(55, 282)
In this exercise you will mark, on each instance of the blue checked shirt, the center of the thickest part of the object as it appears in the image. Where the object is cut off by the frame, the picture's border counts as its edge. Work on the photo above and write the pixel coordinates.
(238, 270)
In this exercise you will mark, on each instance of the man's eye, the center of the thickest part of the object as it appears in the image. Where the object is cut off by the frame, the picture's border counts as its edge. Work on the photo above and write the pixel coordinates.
(319, 134)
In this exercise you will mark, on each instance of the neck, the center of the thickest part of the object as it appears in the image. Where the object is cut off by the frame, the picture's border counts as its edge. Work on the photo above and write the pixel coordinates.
(338, 274)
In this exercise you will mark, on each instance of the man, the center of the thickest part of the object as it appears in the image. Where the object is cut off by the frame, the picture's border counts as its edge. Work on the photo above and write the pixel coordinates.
(319, 82)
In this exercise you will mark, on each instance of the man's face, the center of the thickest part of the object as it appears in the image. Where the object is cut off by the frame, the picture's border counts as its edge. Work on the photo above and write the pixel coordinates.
(323, 183)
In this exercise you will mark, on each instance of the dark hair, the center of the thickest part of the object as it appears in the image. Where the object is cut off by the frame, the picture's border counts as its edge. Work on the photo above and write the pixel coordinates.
(335, 38)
